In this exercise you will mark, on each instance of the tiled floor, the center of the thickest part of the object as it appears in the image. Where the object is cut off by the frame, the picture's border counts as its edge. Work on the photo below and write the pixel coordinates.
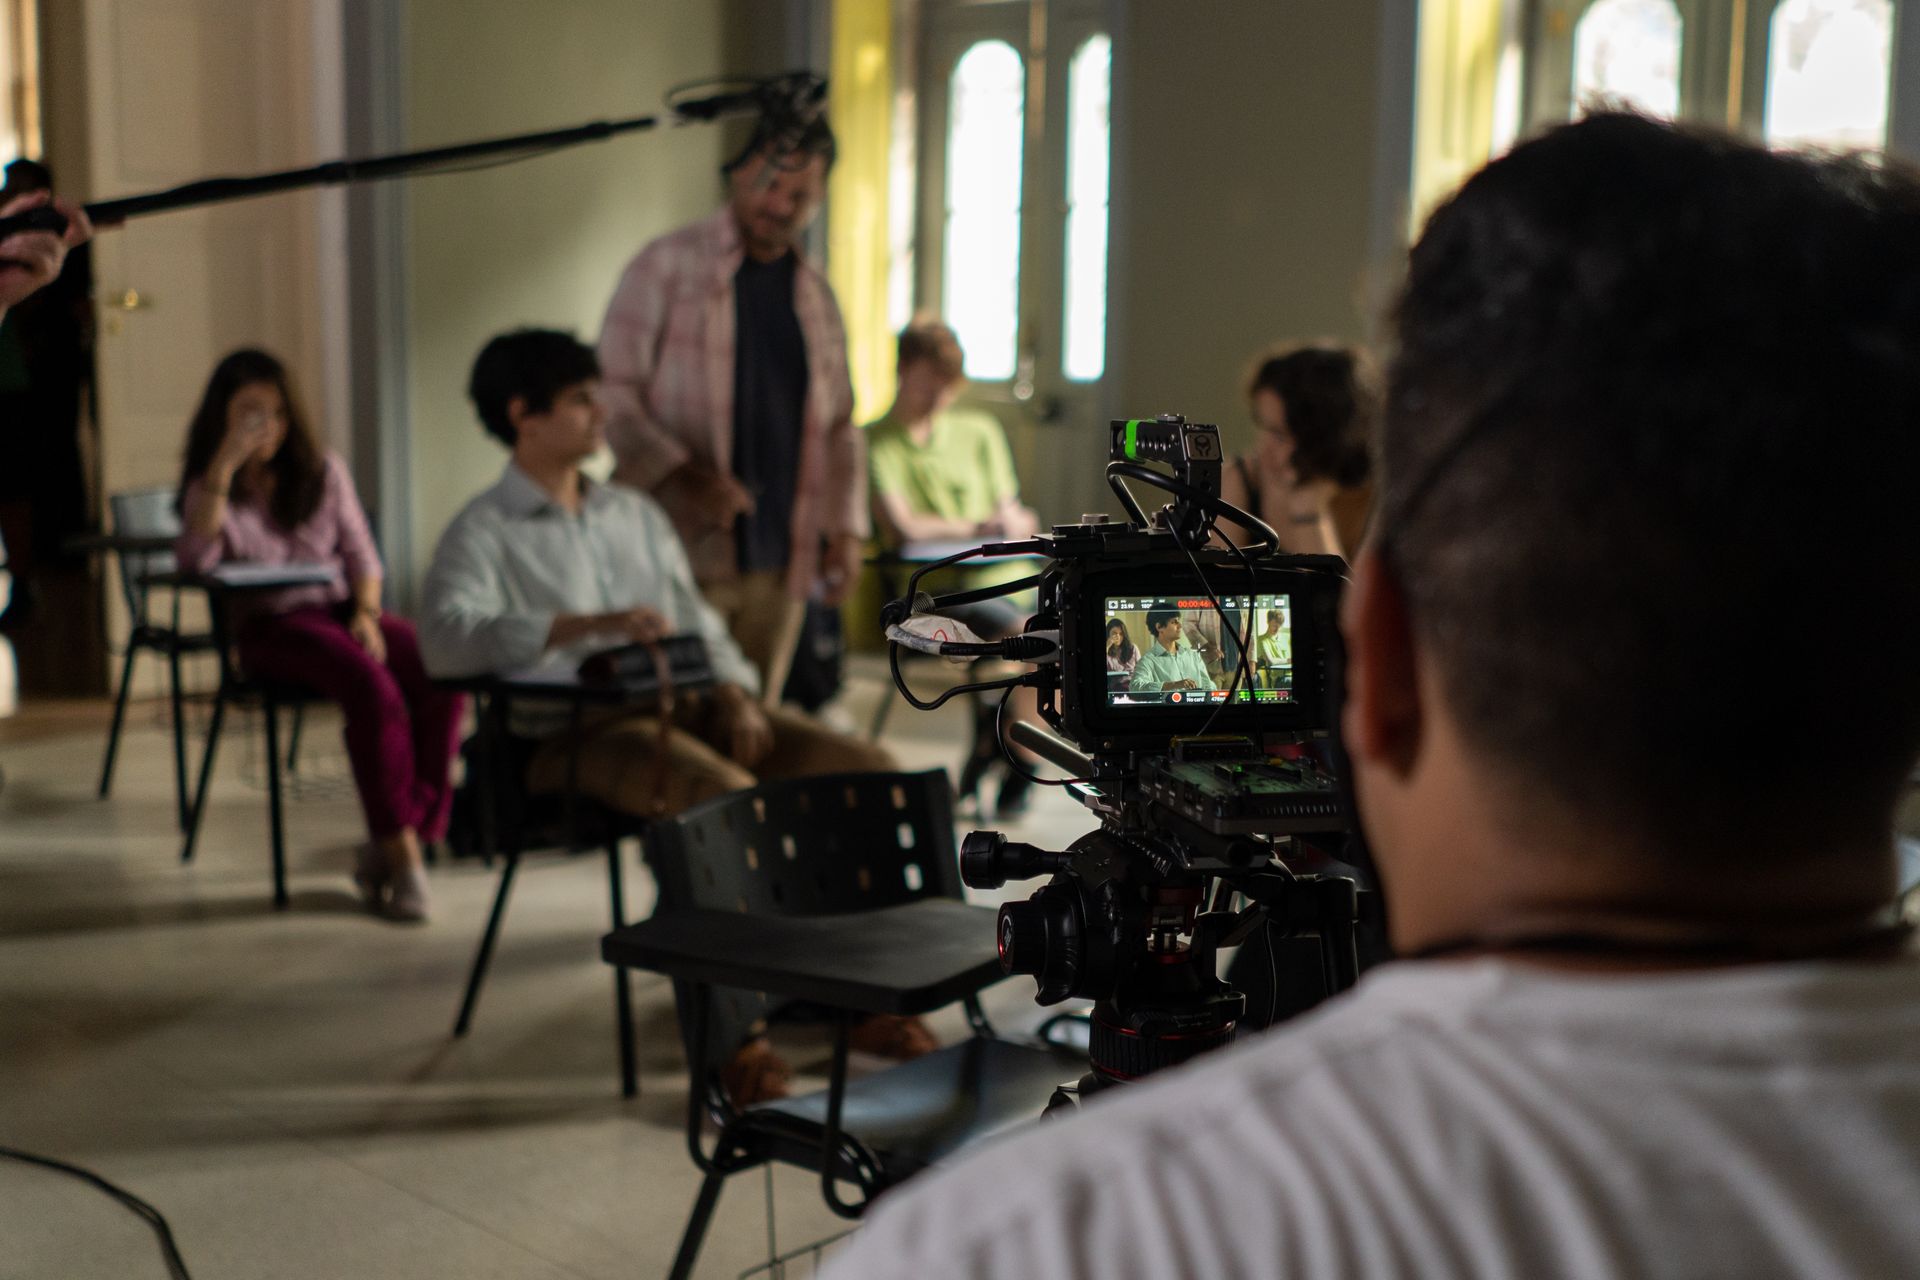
(283, 1086)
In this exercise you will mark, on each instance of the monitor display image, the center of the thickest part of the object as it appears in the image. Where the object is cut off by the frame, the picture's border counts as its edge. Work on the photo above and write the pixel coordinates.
(1176, 651)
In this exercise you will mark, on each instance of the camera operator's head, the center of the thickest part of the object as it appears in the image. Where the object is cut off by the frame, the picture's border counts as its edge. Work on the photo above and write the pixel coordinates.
(1635, 634)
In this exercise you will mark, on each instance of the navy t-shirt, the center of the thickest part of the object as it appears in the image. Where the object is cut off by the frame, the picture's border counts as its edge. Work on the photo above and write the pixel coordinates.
(769, 406)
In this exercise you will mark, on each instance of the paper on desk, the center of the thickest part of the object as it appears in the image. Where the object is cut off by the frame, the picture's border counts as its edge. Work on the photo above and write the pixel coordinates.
(243, 574)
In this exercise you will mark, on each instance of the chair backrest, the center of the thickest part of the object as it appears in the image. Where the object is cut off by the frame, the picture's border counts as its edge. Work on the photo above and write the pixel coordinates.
(801, 846)
(812, 846)
(143, 513)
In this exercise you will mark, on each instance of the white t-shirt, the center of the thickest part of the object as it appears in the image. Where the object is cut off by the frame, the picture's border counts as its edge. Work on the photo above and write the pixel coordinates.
(1474, 1118)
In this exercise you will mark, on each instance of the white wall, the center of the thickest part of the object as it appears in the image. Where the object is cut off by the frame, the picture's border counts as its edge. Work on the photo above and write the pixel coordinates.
(1247, 195)
(540, 242)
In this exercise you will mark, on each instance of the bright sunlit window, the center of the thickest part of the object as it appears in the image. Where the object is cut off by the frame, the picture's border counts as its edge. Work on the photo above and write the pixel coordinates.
(1828, 65)
(982, 240)
(1627, 53)
(19, 88)
(1084, 353)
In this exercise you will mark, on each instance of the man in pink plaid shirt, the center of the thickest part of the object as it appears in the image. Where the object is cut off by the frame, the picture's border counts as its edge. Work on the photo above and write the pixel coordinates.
(728, 399)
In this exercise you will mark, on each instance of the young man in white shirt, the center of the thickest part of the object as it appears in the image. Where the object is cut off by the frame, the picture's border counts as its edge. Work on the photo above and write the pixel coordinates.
(547, 566)
(1655, 1013)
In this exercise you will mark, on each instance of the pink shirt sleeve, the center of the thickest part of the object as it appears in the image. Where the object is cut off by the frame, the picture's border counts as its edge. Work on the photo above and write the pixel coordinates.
(192, 552)
(359, 558)
(629, 348)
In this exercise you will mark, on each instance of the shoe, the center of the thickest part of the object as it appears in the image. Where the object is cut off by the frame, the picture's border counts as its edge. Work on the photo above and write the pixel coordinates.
(888, 1035)
(1015, 798)
(370, 875)
(407, 898)
(755, 1073)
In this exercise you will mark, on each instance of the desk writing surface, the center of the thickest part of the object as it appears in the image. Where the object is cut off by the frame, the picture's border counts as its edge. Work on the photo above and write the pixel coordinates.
(241, 575)
(906, 959)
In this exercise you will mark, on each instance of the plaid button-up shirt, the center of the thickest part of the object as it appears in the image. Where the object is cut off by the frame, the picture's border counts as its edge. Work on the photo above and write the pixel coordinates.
(666, 359)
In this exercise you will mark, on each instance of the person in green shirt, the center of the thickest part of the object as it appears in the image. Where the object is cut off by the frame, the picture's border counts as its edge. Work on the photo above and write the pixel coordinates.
(941, 473)
(1169, 664)
(1273, 651)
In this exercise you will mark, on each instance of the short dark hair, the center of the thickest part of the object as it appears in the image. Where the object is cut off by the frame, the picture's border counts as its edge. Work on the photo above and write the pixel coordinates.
(1158, 618)
(1331, 405)
(1637, 365)
(796, 145)
(929, 339)
(533, 364)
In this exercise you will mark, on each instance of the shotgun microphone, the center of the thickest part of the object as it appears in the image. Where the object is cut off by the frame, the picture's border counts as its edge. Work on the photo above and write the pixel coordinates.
(795, 99)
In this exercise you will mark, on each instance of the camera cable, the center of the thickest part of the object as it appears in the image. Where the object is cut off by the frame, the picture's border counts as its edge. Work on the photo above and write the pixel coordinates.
(169, 1252)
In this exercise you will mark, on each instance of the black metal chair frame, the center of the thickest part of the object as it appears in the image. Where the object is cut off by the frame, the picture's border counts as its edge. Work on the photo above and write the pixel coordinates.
(167, 640)
(499, 778)
(750, 1138)
(763, 1134)
(236, 687)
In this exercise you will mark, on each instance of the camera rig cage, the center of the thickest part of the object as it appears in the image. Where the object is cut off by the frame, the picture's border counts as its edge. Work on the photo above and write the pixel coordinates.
(1198, 844)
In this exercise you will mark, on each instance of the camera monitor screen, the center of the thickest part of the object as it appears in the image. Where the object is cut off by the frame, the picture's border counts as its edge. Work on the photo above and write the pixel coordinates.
(1177, 651)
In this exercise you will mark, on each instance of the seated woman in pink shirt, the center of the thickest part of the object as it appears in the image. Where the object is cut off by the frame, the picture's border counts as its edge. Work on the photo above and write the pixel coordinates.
(258, 488)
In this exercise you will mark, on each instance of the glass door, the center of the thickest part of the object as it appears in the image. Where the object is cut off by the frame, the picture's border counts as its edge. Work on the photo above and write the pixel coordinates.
(1794, 72)
(1013, 219)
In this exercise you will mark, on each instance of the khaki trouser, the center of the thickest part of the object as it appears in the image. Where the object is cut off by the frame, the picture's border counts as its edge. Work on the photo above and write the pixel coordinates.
(765, 622)
(618, 761)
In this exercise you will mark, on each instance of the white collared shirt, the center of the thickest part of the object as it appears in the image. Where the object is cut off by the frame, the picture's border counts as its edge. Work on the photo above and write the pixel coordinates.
(514, 559)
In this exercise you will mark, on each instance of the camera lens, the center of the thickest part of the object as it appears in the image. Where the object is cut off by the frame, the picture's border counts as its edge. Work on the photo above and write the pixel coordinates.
(980, 860)
(1023, 936)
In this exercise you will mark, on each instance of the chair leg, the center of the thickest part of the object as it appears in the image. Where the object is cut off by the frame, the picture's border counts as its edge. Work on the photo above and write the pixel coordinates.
(696, 1232)
(270, 712)
(484, 956)
(622, 989)
(119, 715)
(179, 735)
(293, 739)
(196, 814)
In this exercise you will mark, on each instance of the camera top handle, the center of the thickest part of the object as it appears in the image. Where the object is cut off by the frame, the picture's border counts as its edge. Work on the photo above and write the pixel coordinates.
(1192, 451)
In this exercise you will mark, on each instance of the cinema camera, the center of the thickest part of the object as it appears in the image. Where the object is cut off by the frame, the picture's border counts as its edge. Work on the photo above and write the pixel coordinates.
(1206, 757)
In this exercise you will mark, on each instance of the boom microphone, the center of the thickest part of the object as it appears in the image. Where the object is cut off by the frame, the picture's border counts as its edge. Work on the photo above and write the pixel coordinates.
(796, 98)
(786, 105)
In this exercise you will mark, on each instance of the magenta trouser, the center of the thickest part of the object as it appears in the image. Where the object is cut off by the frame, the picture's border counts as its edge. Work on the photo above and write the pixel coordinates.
(401, 731)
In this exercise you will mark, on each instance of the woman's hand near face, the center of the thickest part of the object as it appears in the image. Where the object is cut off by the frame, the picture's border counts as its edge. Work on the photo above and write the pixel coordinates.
(247, 432)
